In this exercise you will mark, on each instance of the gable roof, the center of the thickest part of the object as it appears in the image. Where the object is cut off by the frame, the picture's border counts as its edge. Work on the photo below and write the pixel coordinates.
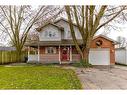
(63, 19)
(54, 24)
(57, 26)
(103, 36)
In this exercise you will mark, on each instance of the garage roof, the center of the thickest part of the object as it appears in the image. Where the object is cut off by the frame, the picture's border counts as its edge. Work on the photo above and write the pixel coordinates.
(103, 36)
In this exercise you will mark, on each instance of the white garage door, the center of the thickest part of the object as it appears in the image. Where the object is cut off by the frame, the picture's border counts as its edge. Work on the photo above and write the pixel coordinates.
(99, 56)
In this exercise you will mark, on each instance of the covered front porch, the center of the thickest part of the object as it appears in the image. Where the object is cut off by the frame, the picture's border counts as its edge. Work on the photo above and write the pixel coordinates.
(61, 54)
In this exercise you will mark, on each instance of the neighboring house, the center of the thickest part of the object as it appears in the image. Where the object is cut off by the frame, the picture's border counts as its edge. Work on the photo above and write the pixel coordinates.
(2, 48)
(55, 45)
(121, 55)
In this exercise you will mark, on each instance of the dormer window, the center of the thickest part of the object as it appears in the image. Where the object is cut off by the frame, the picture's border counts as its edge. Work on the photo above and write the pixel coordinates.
(50, 34)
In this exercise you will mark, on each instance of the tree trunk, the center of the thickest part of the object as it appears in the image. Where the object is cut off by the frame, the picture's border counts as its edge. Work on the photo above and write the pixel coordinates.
(19, 55)
(85, 58)
(86, 55)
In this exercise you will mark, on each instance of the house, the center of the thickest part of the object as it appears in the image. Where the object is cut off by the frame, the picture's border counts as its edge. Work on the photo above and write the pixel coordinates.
(55, 45)
(121, 55)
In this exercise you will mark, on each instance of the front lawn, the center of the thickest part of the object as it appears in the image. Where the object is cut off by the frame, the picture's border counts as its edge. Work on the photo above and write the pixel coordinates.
(37, 77)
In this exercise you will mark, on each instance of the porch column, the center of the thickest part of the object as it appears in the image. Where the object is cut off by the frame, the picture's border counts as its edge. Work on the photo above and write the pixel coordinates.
(38, 53)
(70, 53)
(28, 52)
(59, 55)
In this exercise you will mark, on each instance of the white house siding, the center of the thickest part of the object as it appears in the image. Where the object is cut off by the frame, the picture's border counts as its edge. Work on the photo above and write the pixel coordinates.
(66, 27)
(121, 56)
(42, 36)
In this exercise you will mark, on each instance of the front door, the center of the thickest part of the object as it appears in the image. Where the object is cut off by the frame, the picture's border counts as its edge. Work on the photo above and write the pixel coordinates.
(65, 54)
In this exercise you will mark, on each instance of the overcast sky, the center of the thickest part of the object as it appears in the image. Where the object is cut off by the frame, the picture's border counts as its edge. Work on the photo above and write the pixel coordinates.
(120, 32)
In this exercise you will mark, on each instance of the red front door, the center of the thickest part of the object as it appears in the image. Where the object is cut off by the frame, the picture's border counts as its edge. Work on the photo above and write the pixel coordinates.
(65, 54)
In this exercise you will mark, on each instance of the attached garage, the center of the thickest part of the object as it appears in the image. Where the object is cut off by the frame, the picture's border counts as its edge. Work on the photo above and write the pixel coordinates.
(99, 56)
(102, 51)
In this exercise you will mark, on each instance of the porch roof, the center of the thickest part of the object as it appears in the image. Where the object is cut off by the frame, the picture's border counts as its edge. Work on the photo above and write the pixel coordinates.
(52, 43)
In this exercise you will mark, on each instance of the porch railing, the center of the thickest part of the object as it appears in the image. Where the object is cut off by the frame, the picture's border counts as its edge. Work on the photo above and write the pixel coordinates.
(33, 57)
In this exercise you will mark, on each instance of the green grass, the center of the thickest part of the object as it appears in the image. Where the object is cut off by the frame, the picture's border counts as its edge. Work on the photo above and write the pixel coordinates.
(38, 77)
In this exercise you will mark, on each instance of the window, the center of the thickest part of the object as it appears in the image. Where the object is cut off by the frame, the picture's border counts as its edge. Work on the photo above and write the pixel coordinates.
(50, 50)
(50, 34)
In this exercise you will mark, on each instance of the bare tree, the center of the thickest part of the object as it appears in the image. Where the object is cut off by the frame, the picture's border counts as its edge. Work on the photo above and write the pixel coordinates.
(89, 19)
(122, 41)
(33, 36)
(17, 21)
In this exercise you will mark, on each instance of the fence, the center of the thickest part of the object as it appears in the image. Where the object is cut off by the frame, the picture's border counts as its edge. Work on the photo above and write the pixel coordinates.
(10, 56)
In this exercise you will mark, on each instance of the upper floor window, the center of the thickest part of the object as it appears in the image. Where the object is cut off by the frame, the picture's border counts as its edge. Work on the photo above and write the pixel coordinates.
(50, 34)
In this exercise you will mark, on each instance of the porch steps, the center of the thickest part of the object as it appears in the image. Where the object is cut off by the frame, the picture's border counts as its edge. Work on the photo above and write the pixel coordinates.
(65, 62)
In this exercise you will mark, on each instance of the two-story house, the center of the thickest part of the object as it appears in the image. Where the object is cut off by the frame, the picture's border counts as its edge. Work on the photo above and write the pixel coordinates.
(55, 45)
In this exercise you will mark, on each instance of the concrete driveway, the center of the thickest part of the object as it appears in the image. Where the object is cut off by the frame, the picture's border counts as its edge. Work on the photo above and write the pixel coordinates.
(114, 78)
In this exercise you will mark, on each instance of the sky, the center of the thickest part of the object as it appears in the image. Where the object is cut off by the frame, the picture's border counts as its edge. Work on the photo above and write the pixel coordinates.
(122, 31)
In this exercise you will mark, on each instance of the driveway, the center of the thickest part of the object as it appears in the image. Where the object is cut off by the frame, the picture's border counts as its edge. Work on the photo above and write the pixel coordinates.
(114, 78)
